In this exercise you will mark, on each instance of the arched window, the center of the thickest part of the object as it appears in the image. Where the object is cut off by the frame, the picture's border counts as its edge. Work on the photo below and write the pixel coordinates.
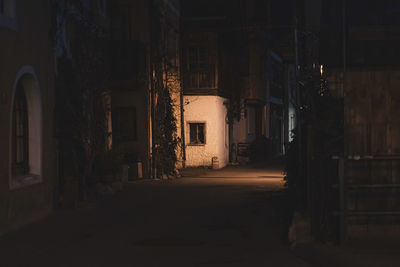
(20, 134)
(26, 130)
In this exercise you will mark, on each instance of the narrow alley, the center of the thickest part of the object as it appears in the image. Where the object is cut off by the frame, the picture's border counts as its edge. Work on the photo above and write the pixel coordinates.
(156, 132)
(230, 217)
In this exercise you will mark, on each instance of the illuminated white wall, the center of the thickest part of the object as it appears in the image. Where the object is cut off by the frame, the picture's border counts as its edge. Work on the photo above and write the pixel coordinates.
(210, 110)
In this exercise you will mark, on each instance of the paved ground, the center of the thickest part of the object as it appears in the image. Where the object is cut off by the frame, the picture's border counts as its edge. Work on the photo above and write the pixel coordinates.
(234, 217)
(375, 253)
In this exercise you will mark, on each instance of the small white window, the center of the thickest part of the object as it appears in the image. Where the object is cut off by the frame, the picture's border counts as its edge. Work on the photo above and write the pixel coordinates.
(197, 133)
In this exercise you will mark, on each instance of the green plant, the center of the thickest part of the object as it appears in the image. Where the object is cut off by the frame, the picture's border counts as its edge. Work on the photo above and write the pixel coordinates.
(166, 139)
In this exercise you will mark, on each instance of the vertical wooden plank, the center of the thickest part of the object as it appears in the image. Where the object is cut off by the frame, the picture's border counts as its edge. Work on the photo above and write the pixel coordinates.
(310, 153)
(342, 201)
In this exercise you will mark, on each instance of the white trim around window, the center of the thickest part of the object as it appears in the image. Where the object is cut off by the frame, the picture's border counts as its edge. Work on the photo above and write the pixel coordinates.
(26, 78)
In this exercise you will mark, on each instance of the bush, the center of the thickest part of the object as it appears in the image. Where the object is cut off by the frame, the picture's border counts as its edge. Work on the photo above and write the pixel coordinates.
(108, 163)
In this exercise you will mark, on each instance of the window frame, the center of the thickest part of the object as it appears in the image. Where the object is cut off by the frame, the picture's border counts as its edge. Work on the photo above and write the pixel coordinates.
(195, 70)
(116, 132)
(20, 132)
(204, 133)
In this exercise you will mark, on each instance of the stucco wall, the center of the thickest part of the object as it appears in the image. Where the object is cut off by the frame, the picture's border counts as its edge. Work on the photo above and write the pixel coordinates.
(211, 111)
(27, 46)
(244, 130)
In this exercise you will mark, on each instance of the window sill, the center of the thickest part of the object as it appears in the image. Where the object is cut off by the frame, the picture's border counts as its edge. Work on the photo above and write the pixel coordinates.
(8, 22)
(203, 88)
(24, 181)
(196, 144)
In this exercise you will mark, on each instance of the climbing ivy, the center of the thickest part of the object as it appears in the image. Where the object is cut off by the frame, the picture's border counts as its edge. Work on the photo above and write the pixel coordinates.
(164, 84)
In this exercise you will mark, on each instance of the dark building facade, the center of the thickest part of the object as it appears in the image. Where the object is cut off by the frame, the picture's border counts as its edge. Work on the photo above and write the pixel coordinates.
(27, 155)
(83, 88)
(359, 42)
(99, 92)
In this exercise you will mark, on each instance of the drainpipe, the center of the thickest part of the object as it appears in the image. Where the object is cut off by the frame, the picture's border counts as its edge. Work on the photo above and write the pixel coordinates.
(182, 124)
(344, 71)
(342, 178)
(149, 101)
(152, 96)
(181, 98)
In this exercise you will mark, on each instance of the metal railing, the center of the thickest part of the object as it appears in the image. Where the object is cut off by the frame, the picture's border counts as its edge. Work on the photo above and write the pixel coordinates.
(345, 188)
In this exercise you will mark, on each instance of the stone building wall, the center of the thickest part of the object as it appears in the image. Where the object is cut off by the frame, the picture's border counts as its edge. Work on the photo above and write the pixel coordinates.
(26, 60)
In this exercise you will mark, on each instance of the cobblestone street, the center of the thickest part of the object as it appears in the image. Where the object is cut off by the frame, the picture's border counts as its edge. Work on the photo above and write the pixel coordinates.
(231, 217)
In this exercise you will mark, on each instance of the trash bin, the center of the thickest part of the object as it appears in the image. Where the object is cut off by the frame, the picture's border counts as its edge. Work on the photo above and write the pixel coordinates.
(135, 169)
